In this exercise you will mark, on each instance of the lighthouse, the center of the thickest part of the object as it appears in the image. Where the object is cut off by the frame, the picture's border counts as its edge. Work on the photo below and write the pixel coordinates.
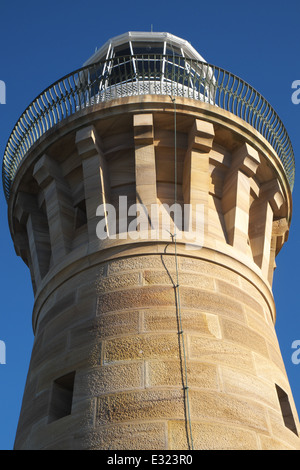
(149, 192)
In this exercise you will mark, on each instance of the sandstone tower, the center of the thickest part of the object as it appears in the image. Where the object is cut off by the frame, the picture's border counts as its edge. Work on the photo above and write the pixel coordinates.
(152, 339)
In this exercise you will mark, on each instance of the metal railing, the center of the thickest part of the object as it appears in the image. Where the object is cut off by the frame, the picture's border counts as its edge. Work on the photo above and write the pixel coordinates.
(140, 75)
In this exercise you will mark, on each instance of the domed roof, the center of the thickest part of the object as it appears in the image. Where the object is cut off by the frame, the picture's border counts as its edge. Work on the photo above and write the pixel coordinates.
(132, 43)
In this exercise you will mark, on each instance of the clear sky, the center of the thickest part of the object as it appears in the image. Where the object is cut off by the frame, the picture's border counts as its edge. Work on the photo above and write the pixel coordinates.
(40, 41)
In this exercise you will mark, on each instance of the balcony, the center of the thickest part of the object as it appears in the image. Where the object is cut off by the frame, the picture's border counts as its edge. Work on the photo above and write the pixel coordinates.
(144, 74)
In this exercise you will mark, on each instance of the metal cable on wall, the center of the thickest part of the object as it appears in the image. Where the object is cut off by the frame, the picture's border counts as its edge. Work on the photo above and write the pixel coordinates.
(178, 302)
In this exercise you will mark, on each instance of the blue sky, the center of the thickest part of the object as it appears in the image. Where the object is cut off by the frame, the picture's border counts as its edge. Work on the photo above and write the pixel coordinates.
(40, 41)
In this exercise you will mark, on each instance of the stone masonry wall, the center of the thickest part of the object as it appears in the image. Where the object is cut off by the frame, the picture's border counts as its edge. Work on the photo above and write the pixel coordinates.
(116, 326)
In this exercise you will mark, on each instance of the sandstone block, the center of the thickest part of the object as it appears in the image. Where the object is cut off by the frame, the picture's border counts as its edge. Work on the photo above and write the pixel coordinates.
(155, 404)
(143, 436)
(141, 347)
(221, 352)
(211, 436)
(162, 373)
